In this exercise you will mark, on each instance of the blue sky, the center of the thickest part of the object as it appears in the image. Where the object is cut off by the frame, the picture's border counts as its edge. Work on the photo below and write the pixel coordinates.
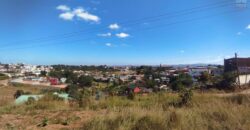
(123, 32)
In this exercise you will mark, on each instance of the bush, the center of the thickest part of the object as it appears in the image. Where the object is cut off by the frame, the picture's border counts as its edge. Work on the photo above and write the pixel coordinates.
(85, 81)
(72, 90)
(186, 97)
(228, 82)
(3, 76)
(51, 97)
(181, 82)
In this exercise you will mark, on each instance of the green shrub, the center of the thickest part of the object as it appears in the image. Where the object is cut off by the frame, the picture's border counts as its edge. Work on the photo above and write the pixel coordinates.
(51, 97)
(186, 97)
(3, 76)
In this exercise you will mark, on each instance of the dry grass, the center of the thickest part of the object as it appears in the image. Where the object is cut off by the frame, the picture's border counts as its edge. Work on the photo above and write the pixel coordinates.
(207, 113)
(7, 92)
(152, 112)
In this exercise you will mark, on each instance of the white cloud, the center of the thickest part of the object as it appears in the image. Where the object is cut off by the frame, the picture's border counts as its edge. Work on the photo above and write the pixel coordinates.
(84, 15)
(105, 35)
(63, 8)
(76, 13)
(248, 27)
(122, 35)
(114, 26)
(108, 44)
(67, 16)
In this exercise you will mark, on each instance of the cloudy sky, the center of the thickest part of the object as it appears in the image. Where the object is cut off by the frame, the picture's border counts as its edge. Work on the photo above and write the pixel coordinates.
(118, 32)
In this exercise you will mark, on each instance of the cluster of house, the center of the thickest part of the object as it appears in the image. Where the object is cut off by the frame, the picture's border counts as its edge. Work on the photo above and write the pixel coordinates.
(127, 75)
(23, 69)
(31, 74)
(41, 81)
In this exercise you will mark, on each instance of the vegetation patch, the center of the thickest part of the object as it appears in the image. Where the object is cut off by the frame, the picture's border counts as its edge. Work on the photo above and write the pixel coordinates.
(3, 76)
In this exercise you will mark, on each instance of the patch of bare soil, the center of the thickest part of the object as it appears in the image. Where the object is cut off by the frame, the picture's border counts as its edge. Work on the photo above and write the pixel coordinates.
(4, 82)
(54, 120)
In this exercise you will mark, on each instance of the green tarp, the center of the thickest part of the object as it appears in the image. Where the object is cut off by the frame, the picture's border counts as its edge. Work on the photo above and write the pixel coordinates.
(24, 98)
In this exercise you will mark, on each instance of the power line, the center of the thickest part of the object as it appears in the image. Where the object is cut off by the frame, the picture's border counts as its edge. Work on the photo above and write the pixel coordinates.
(134, 22)
(145, 29)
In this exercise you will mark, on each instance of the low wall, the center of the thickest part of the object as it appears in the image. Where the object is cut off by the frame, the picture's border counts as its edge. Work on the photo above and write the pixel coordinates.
(244, 79)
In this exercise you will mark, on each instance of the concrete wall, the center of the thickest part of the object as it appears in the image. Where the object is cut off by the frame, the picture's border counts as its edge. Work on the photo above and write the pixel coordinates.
(244, 79)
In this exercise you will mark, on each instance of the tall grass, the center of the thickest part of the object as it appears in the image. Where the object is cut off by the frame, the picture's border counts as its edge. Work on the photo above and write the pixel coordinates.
(207, 112)
(151, 112)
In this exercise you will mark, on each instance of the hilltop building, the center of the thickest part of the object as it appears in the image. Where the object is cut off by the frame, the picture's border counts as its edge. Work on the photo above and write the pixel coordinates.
(241, 66)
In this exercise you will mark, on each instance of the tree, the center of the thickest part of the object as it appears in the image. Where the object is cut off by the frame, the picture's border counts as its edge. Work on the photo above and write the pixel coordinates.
(7, 67)
(150, 83)
(148, 72)
(229, 81)
(18, 93)
(81, 97)
(204, 78)
(43, 73)
(177, 86)
(56, 74)
(216, 80)
(70, 76)
(72, 90)
(180, 82)
(85, 81)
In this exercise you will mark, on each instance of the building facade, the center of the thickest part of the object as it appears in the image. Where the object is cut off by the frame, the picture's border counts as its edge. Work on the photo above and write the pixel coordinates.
(240, 66)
